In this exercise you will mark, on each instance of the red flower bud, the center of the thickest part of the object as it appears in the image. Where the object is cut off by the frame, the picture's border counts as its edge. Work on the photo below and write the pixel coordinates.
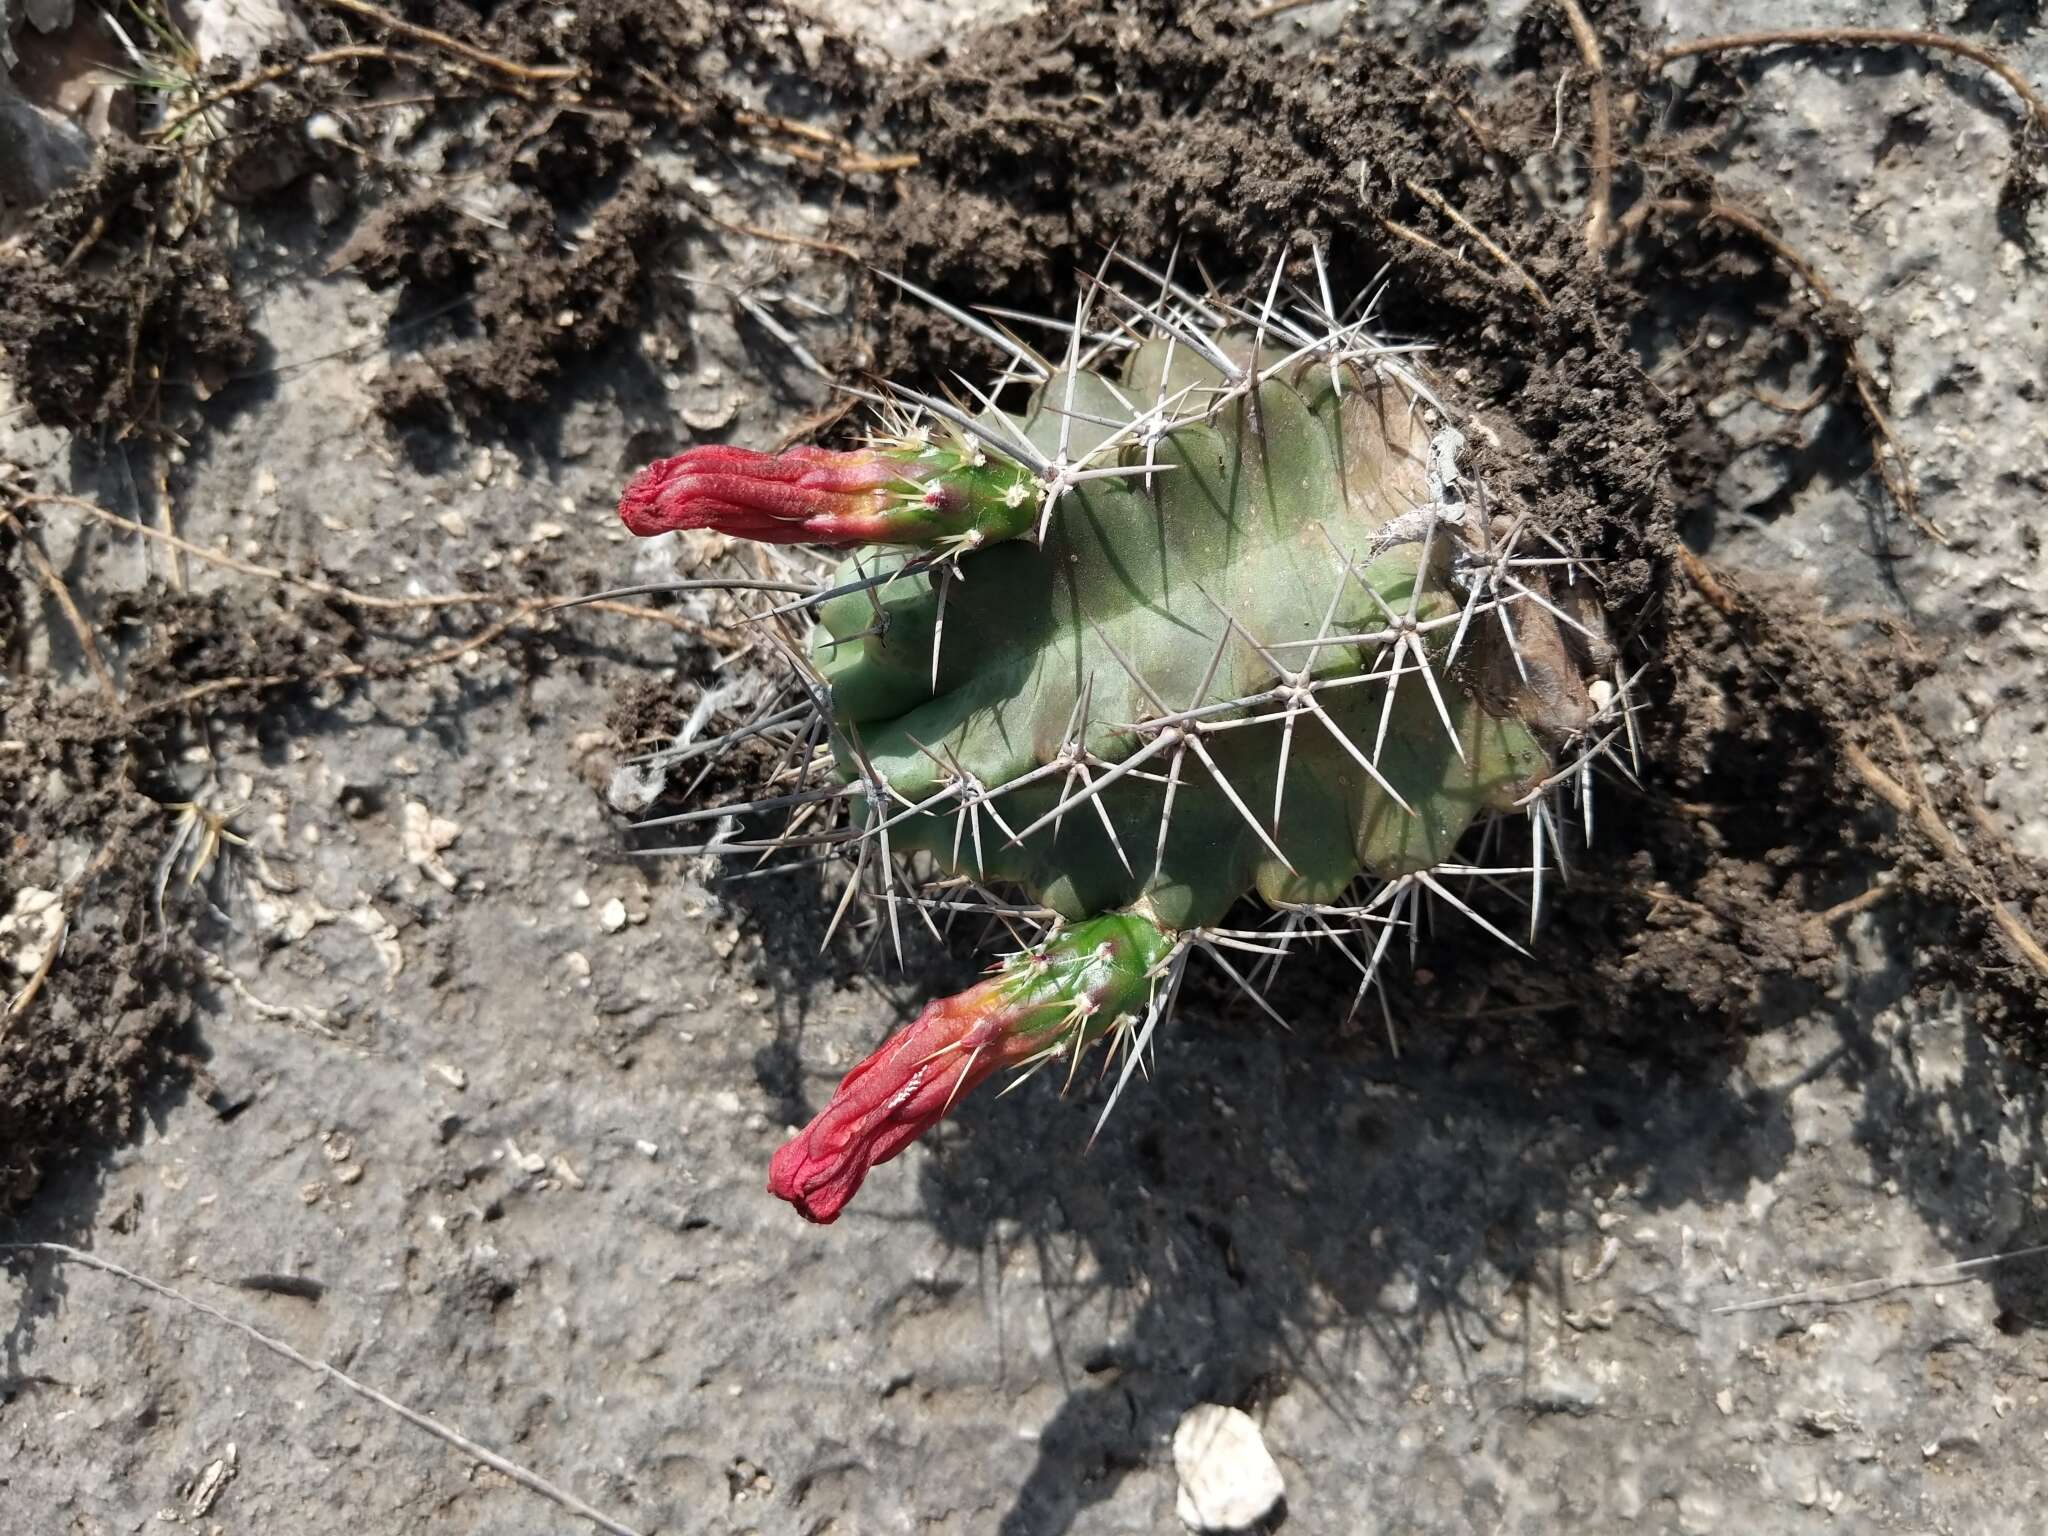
(804, 496)
(1064, 996)
(894, 1097)
(905, 495)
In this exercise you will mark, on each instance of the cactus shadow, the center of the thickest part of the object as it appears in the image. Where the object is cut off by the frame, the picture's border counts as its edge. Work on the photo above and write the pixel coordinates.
(1314, 1213)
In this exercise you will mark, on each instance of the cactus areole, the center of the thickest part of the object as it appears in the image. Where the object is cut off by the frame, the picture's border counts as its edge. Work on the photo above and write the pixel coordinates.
(1216, 614)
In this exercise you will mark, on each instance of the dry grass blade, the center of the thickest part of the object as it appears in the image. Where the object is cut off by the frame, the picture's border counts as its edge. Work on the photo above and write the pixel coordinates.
(371, 600)
(290, 67)
(1881, 1285)
(532, 1481)
(1422, 242)
(1437, 201)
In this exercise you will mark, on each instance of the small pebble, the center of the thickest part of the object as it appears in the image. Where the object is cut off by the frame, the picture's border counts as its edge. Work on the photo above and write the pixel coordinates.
(1228, 1480)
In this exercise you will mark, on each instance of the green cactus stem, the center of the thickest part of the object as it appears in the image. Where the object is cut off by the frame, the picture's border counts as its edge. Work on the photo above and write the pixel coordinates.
(1220, 617)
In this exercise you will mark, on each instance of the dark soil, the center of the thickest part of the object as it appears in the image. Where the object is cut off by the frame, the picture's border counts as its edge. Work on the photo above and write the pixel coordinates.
(78, 1066)
(532, 315)
(587, 234)
(104, 304)
(1137, 124)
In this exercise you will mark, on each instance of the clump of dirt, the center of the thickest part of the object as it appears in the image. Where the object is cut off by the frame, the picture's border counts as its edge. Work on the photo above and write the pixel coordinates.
(226, 646)
(420, 242)
(534, 313)
(585, 229)
(79, 1064)
(103, 305)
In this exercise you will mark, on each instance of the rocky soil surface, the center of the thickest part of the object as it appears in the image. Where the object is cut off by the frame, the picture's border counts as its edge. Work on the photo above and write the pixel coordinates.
(423, 1076)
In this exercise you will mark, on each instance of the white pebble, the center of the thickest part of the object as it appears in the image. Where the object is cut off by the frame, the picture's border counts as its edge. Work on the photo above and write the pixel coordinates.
(1228, 1481)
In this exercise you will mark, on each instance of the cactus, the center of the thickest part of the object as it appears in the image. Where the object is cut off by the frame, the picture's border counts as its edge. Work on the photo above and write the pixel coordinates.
(1216, 614)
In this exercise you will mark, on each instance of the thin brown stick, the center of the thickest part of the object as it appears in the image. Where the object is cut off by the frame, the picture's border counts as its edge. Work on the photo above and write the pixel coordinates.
(1420, 241)
(1709, 586)
(1881, 1285)
(1600, 192)
(377, 670)
(1893, 467)
(84, 243)
(47, 573)
(754, 231)
(1916, 805)
(1437, 201)
(1861, 902)
(1789, 407)
(846, 157)
(35, 982)
(290, 67)
(561, 1498)
(1859, 37)
(685, 111)
(491, 61)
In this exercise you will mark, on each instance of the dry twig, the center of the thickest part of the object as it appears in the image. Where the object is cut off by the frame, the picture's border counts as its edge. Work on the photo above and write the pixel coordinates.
(521, 610)
(1437, 201)
(532, 1481)
(1600, 193)
(62, 594)
(845, 157)
(1709, 585)
(754, 231)
(1916, 805)
(510, 69)
(523, 605)
(291, 67)
(1420, 241)
(1881, 1285)
(1859, 37)
(1887, 451)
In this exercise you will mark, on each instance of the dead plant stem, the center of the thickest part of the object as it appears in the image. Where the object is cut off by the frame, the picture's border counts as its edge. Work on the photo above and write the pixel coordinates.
(509, 68)
(1887, 451)
(290, 67)
(1859, 37)
(1916, 805)
(61, 594)
(1443, 206)
(1600, 192)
